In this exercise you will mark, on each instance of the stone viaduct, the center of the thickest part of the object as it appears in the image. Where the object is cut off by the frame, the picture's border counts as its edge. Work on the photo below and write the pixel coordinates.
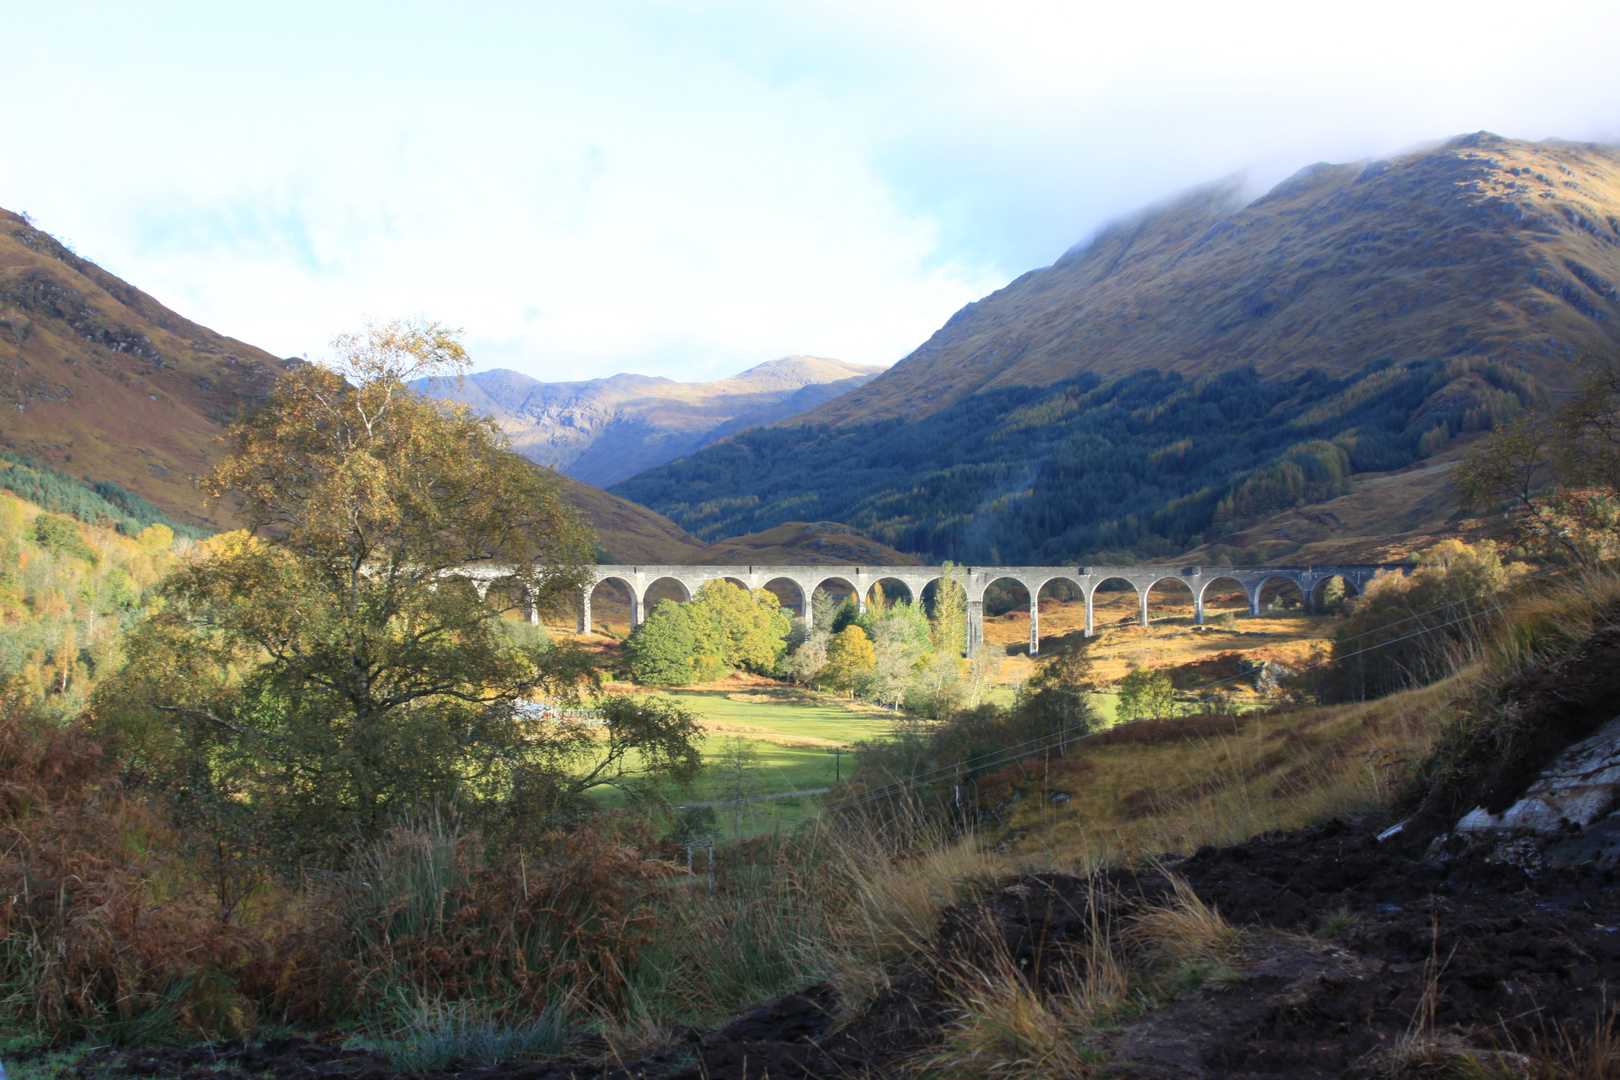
(859, 580)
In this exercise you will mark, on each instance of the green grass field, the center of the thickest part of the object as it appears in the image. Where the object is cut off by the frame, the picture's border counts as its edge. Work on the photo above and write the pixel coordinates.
(793, 735)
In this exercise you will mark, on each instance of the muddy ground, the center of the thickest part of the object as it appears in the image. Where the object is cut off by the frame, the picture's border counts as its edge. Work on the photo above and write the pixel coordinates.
(1512, 956)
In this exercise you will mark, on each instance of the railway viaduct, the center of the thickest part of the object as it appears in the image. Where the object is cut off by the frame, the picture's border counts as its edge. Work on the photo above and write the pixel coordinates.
(859, 581)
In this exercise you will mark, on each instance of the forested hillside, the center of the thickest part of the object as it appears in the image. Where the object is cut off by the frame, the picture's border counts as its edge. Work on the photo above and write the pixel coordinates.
(1204, 366)
(68, 591)
(1135, 468)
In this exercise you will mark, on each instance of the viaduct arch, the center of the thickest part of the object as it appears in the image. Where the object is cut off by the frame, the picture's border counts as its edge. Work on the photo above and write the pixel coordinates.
(975, 579)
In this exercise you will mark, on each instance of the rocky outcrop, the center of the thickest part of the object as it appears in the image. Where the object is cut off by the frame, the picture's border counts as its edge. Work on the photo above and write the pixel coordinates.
(1568, 817)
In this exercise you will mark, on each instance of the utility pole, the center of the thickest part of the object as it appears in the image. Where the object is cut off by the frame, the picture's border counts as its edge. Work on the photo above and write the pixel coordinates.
(838, 753)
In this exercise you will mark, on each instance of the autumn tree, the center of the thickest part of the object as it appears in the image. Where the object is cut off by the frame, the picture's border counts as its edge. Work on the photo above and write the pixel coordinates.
(724, 626)
(323, 668)
(737, 627)
(1409, 630)
(1557, 474)
(807, 661)
(851, 659)
(950, 612)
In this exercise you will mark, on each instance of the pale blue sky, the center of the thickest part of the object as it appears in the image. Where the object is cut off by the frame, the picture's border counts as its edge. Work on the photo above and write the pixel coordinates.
(687, 189)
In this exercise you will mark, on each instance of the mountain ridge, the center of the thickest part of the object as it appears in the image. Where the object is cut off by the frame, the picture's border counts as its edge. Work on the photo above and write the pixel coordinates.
(99, 378)
(1333, 267)
(603, 430)
(1203, 366)
(102, 381)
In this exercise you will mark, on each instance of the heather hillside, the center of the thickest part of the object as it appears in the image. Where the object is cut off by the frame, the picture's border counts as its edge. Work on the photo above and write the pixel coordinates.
(1484, 246)
(115, 405)
(99, 379)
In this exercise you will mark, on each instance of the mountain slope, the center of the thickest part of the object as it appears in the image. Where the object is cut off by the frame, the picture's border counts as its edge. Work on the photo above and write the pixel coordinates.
(1482, 247)
(99, 379)
(632, 534)
(603, 430)
(1205, 367)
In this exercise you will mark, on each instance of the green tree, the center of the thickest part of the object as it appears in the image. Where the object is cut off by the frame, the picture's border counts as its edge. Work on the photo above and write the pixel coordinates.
(323, 667)
(1144, 694)
(662, 650)
(900, 641)
(738, 628)
(845, 614)
(1057, 698)
(60, 536)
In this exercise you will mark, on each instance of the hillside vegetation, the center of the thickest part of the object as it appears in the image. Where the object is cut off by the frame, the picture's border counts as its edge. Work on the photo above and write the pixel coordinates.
(235, 847)
(1174, 382)
(1142, 467)
(68, 592)
(1484, 246)
(115, 405)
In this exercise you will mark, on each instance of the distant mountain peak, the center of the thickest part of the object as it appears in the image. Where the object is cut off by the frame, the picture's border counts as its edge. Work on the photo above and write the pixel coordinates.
(603, 430)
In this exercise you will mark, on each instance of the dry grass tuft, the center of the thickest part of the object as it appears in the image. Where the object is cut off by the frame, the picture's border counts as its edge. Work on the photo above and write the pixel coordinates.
(1170, 729)
(1006, 1026)
(1184, 929)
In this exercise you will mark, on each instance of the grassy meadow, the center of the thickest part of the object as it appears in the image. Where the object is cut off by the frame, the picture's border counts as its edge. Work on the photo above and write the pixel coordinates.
(792, 733)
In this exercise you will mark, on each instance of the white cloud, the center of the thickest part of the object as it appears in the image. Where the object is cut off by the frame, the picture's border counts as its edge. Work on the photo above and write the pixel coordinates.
(687, 189)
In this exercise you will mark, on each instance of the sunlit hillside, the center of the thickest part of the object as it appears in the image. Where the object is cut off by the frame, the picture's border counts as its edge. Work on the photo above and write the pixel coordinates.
(101, 380)
(1212, 378)
(1484, 246)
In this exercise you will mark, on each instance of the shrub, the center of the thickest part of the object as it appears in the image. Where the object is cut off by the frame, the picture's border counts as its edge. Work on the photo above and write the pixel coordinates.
(107, 930)
(1409, 630)
(1145, 693)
